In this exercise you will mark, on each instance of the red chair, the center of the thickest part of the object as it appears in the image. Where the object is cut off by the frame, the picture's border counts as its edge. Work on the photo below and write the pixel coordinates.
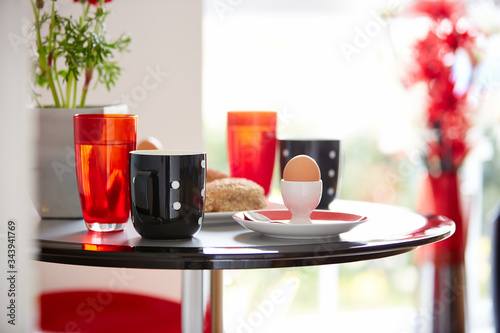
(93, 311)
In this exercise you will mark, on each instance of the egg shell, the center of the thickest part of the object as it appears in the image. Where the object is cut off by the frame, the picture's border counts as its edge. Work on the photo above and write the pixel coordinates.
(301, 168)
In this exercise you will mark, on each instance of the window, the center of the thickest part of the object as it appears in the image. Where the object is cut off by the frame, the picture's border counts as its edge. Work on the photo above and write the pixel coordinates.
(328, 68)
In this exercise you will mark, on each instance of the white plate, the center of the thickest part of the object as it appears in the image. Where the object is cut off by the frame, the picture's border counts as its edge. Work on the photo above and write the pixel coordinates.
(216, 218)
(325, 224)
(227, 217)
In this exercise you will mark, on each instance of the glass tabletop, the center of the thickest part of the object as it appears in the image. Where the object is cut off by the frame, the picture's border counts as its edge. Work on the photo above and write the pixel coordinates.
(390, 230)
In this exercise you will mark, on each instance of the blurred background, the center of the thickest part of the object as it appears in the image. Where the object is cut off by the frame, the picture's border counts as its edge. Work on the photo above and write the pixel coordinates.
(337, 69)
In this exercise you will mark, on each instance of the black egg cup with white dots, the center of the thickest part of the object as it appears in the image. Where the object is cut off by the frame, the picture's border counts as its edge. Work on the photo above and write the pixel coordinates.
(326, 153)
(167, 193)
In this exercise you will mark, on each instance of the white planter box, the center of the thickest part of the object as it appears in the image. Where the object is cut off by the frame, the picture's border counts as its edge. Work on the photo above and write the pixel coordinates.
(55, 189)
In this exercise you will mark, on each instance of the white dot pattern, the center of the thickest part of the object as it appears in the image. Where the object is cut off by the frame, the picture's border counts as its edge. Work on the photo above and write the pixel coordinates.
(331, 191)
(286, 152)
(332, 154)
(175, 184)
(199, 221)
(176, 205)
(203, 164)
(331, 173)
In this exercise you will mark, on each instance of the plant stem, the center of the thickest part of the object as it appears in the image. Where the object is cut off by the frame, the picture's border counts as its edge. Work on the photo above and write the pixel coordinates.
(59, 87)
(51, 28)
(84, 96)
(85, 12)
(75, 82)
(36, 14)
(69, 85)
(88, 77)
(51, 48)
(48, 66)
(42, 55)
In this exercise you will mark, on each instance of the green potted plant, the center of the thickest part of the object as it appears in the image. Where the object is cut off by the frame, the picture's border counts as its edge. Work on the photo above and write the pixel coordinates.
(71, 56)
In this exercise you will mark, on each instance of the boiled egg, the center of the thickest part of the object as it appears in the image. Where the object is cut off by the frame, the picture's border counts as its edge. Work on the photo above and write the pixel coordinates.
(301, 168)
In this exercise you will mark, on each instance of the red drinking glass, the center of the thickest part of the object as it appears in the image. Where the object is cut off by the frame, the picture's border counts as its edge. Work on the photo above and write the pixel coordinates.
(251, 145)
(102, 146)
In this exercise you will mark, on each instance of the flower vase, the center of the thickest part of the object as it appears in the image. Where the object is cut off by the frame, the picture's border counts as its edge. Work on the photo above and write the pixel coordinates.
(443, 307)
(55, 187)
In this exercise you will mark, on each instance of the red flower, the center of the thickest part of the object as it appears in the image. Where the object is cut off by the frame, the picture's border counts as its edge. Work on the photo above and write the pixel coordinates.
(92, 2)
(428, 57)
(440, 9)
(447, 114)
(461, 38)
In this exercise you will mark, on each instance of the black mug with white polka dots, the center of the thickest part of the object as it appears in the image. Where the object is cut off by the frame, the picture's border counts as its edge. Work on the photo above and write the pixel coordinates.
(167, 193)
(327, 154)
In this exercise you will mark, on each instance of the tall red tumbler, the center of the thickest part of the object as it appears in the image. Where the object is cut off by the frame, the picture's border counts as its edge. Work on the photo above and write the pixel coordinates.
(102, 146)
(251, 145)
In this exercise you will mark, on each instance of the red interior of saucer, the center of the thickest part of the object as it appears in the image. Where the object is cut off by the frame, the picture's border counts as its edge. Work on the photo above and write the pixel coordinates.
(323, 215)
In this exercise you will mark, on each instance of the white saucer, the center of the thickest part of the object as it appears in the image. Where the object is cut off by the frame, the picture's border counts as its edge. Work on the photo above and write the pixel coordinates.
(325, 224)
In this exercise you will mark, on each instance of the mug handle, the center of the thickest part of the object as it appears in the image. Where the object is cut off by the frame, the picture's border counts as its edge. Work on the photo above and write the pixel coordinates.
(143, 188)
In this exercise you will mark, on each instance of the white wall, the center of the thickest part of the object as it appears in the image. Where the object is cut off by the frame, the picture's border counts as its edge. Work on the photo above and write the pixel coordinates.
(14, 178)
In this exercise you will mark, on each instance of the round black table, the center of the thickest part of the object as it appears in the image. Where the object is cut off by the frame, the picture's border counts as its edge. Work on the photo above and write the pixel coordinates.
(223, 244)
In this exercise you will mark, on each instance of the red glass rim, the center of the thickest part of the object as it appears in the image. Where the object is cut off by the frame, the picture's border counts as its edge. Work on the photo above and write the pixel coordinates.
(105, 128)
(104, 115)
(281, 139)
(262, 118)
(252, 112)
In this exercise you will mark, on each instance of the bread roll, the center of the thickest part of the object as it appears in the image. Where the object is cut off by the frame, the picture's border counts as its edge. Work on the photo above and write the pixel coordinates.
(233, 194)
(213, 174)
